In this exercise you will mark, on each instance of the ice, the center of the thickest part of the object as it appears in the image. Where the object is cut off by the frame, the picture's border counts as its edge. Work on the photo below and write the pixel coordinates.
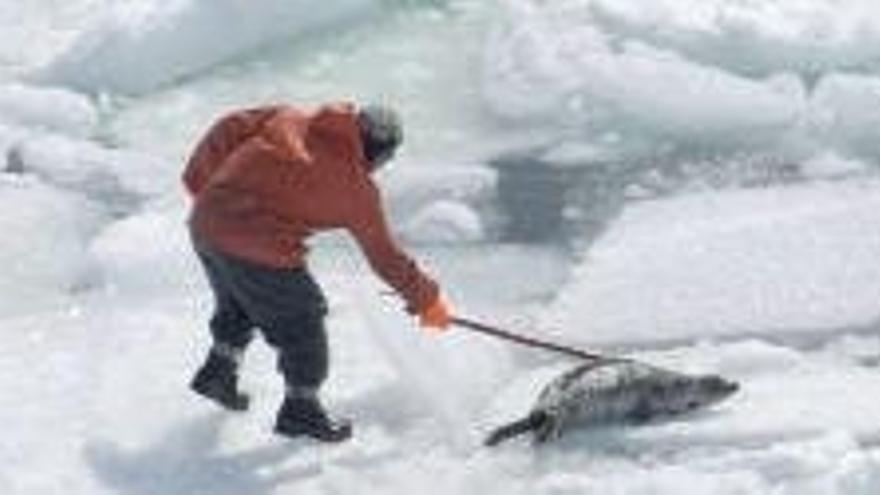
(11, 135)
(830, 165)
(799, 422)
(142, 47)
(52, 109)
(864, 350)
(685, 99)
(368, 62)
(104, 310)
(755, 38)
(579, 77)
(44, 249)
(35, 32)
(118, 177)
(842, 111)
(411, 185)
(790, 76)
(767, 262)
(439, 202)
(444, 222)
(132, 262)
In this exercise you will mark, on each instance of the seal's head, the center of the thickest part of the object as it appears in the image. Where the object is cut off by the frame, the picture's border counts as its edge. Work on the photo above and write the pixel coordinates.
(675, 394)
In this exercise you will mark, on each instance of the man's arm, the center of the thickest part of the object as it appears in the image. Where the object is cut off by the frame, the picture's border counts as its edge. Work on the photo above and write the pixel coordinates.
(370, 228)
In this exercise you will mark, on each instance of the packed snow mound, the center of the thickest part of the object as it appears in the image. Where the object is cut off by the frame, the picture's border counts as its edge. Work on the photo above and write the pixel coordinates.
(119, 178)
(715, 74)
(44, 250)
(147, 253)
(843, 113)
(602, 86)
(421, 56)
(772, 262)
(444, 222)
(438, 202)
(36, 31)
(10, 135)
(47, 109)
(831, 165)
(410, 185)
(146, 45)
(808, 37)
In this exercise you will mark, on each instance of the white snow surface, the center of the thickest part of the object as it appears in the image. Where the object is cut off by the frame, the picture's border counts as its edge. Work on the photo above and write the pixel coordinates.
(773, 262)
(110, 382)
(444, 222)
(45, 240)
(114, 176)
(104, 310)
(753, 37)
(142, 46)
(52, 109)
(791, 75)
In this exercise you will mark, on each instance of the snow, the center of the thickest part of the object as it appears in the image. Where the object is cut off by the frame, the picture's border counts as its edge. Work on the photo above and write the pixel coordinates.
(141, 47)
(10, 135)
(830, 165)
(127, 266)
(769, 262)
(45, 236)
(365, 62)
(687, 99)
(120, 178)
(51, 109)
(35, 32)
(792, 76)
(754, 38)
(842, 111)
(411, 184)
(103, 308)
(444, 222)
(780, 434)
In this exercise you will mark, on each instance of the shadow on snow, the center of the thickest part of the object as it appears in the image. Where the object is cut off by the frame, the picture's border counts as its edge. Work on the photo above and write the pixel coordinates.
(186, 460)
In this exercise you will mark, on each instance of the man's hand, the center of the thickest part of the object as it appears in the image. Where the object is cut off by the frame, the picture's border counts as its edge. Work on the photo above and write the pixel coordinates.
(436, 316)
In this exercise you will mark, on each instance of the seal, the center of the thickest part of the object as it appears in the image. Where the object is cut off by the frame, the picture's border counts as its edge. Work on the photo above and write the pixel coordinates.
(614, 391)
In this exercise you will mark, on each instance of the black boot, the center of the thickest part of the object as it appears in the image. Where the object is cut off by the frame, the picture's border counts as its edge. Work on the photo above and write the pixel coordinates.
(305, 416)
(217, 380)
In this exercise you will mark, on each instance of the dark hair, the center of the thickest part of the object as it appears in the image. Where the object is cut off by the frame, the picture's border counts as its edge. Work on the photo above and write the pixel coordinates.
(381, 133)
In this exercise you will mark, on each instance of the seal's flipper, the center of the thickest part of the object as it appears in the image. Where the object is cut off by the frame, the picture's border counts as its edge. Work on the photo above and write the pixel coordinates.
(530, 423)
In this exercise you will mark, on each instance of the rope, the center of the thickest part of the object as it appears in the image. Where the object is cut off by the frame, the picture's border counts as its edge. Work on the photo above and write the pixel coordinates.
(528, 341)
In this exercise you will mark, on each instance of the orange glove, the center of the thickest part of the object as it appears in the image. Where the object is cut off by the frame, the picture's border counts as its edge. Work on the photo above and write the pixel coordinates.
(436, 315)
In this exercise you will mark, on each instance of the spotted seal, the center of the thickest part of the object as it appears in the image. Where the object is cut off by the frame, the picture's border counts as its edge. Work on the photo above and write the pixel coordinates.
(614, 391)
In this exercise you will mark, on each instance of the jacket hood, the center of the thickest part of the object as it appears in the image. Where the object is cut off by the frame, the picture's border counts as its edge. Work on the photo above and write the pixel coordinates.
(291, 128)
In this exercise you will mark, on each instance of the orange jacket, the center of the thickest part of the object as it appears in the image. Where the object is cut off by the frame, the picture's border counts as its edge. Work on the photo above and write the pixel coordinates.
(265, 179)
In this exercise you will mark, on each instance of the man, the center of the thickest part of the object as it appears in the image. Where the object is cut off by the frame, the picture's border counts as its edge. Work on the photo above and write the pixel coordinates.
(263, 180)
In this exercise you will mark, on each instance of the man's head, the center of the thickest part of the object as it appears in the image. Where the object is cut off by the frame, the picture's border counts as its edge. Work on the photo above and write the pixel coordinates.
(381, 133)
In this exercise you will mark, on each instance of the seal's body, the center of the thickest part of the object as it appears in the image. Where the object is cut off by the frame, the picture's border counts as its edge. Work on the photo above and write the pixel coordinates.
(614, 391)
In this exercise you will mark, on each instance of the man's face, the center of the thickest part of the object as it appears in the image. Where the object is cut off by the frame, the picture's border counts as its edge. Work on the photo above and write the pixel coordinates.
(382, 157)
(381, 134)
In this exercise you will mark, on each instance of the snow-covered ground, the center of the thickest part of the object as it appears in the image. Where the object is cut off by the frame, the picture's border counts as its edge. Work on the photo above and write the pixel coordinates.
(103, 307)
(762, 261)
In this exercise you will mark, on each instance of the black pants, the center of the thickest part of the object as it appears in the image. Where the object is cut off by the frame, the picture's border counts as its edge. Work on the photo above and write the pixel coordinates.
(285, 304)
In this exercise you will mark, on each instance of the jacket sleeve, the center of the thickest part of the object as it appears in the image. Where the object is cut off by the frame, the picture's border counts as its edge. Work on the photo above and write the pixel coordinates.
(370, 228)
(221, 139)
